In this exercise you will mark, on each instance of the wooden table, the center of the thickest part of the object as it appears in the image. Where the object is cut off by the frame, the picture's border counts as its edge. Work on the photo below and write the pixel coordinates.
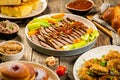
(56, 6)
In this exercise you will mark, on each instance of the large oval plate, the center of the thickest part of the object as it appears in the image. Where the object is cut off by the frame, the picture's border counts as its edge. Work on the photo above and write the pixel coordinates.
(93, 53)
(47, 51)
(36, 12)
(52, 75)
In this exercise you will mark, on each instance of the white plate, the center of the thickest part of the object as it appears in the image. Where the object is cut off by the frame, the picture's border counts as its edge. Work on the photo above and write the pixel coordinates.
(40, 9)
(93, 53)
(47, 51)
(52, 75)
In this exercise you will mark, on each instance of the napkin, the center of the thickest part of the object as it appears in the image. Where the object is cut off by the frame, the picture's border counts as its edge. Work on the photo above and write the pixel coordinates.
(96, 18)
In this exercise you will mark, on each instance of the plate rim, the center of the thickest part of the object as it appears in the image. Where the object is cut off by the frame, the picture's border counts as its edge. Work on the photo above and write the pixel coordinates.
(44, 6)
(76, 64)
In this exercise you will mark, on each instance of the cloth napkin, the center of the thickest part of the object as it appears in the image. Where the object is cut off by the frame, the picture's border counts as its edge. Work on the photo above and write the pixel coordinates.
(96, 17)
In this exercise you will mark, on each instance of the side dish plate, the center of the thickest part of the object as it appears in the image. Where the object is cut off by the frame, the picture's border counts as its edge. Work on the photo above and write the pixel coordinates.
(52, 75)
(93, 53)
(77, 51)
(40, 9)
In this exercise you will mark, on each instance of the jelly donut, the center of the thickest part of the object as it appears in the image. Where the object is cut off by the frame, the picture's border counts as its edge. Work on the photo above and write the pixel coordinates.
(40, 74)
(31, 70)
(15, 71)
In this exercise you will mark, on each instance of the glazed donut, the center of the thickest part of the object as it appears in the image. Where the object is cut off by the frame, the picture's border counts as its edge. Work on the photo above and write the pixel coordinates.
(40, 74)
(15, 71)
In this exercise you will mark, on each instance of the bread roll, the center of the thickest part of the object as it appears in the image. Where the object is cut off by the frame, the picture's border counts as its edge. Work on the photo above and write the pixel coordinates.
(112, 16)
(109, 14)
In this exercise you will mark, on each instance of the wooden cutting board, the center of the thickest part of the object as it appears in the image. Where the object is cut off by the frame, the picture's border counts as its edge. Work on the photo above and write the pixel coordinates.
(102, 28)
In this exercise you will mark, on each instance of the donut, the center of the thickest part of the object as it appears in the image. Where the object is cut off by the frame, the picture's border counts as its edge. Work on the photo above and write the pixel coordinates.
(15, 71)
(31, 70)
(40, 74)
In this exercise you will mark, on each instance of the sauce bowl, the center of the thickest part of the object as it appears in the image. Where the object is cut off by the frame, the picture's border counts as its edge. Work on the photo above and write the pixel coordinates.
(80, 7)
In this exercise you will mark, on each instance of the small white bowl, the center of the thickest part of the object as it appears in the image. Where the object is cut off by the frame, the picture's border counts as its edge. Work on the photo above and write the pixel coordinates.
(12, 57)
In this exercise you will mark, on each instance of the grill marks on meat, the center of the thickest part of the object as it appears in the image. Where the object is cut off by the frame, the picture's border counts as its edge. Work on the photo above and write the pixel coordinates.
(56, 36)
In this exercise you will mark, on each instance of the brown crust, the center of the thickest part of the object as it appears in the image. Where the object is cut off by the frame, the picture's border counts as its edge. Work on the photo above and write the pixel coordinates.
(15, 71)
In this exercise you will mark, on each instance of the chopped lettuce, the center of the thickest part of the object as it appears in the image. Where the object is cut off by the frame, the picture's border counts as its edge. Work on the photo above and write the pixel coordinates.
(37, 23)
(90, 37)
(68, 47)
(80, 44)
(75, 46)
(85, 40)
(33, 26)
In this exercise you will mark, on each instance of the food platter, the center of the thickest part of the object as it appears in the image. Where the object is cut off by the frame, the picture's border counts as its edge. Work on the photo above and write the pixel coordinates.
(38, 11)
(93, 53)
(52, 75)
(62, 52)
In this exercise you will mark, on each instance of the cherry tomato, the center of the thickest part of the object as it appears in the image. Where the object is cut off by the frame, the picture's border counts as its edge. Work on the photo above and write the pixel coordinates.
(61, 70)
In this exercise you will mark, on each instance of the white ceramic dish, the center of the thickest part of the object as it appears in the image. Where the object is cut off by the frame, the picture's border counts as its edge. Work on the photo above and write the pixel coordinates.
(93, 53)
(40, 9)
(52, 75)
(12, 57)
(47, 51)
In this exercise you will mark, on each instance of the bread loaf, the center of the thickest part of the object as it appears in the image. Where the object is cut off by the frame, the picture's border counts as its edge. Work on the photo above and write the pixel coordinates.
(25, 8)
(16, 11)
(112, 16)
(25, 0)
(10, 2)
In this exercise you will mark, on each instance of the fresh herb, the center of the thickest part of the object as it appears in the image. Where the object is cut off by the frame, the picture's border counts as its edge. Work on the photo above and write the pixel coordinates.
(90, 73)
(111, 78)
(113, 69)
(84, 60)
(95, 60)
(11, 27)
(103, 63)
(103, 56)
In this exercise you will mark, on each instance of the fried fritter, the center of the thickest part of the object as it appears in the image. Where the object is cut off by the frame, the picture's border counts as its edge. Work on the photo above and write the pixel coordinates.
(89, 63)
(114, 66)
(99, 70)
(112, 55)
(104, 68)
(109, 78)
(84, 74)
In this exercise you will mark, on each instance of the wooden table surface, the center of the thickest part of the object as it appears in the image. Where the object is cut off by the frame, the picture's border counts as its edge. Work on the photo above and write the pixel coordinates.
(56, 6)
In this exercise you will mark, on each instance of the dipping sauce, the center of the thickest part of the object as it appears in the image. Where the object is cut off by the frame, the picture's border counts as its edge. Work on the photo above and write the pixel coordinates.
(8, 27)
(10, 48)
(80, 4)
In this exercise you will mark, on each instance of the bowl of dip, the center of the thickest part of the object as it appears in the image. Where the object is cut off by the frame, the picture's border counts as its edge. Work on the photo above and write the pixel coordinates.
(11, 50)
(80, 7)
(8, 30)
